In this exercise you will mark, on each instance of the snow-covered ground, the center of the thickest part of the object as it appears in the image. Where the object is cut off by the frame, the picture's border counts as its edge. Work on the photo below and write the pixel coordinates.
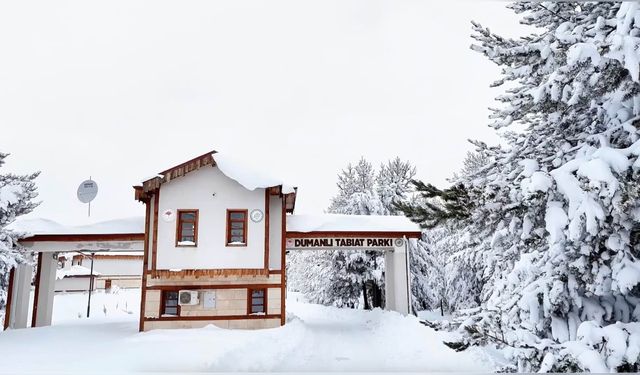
(315, 338)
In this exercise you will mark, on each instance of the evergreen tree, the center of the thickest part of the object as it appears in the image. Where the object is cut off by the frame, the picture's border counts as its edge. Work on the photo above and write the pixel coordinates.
(552, 234)
(437, 206)
(393, 184)
(16, 198)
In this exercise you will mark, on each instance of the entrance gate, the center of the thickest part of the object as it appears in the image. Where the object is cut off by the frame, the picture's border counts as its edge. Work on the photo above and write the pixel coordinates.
(395, 246)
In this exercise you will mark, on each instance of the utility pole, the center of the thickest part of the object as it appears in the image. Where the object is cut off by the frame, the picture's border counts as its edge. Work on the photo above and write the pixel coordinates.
(90, 285)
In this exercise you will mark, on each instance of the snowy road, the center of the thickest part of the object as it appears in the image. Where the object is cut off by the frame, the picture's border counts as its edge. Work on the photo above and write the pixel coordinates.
(316, 338)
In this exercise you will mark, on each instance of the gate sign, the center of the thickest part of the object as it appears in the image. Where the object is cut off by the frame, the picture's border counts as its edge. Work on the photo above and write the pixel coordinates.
(343, 243)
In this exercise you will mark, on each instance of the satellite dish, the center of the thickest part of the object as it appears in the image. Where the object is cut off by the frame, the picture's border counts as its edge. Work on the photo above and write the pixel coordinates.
(87, 191)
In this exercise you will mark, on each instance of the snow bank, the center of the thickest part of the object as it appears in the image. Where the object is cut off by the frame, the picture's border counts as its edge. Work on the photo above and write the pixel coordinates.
(351, 223)
(315, 338)
(247, 175)
(46, 226)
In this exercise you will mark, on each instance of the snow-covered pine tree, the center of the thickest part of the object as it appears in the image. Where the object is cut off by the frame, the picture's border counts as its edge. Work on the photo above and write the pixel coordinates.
(450, 279)
(393, 184)
(351, 270)
(16, 198)
(556, 217)
(339, 278)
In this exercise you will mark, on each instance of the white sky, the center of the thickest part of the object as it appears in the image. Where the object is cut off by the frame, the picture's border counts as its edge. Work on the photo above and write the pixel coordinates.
(121, 90)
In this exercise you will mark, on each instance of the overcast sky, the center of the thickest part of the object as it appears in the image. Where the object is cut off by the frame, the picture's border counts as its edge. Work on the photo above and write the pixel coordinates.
(120, 90)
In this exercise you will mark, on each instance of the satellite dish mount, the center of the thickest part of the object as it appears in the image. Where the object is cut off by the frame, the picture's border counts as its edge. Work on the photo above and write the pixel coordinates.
(87, 191)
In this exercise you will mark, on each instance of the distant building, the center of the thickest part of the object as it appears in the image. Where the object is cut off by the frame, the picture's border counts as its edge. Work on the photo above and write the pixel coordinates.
(122, 269)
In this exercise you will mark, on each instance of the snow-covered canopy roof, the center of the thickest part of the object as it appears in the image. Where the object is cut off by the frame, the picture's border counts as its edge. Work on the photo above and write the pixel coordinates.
(336, 223)
(111, 253)
(39, 226)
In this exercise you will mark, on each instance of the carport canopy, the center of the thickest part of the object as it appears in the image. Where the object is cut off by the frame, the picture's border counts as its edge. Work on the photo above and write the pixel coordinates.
(47, 238)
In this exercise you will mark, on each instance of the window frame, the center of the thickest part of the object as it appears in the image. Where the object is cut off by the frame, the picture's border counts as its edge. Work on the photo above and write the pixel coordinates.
(179, 227)
(250, 300)
(246, 227)
(163, 301)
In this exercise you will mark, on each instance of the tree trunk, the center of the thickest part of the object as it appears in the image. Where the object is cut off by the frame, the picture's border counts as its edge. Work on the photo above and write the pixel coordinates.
(365, 296)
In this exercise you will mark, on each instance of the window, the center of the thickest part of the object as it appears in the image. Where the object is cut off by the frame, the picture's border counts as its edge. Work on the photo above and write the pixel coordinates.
(257, 301)
(236, 227)
(169, 304)
(187, 229)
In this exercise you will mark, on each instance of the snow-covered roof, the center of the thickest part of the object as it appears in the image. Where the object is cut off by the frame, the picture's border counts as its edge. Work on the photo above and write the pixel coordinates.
(350, 223)
(247, 175)
(46, 226)
(102, 253)
(74, 271)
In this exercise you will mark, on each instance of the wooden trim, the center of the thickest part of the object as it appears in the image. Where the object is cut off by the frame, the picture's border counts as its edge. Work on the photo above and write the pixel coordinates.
(265, 297)
(36, 293)
(179, 170)
(246, 227)
(118, 257)
(283, 265)
(267, 204)
(215, 317)
(154, 245)
(145, 265)
(7, 307)
(155, 274)
(140, 194)
(211, 286)
(84, 237)
(317, 234)
(190, 161)
(179, 226)
(291, 197)
(275, 272)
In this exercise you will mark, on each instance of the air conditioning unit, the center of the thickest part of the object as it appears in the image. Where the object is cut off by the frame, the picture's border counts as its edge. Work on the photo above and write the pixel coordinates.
(188, 297)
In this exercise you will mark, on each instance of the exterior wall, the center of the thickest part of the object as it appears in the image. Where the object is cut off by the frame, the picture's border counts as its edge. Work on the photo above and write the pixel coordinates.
(275, 232)
(124, 272)
(231, 300)
(196, 191)
(187, 282)
(72, 284)
(106, 266)
(121, 283)
(230, 324)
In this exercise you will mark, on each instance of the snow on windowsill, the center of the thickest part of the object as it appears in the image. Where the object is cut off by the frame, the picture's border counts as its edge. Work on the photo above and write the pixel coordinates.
(186, 243)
